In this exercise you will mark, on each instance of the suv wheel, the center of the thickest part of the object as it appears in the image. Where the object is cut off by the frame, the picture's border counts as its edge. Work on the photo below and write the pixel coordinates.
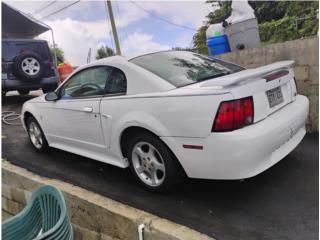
(36, 135)
(28, 65)
(153, 164)
(23, 92)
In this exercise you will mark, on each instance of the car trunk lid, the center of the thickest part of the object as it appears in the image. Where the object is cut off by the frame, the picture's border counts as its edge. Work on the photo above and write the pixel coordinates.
(271, 86)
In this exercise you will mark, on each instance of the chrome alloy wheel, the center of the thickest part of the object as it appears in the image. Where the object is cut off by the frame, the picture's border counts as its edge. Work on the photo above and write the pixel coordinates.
(30, 66)
(35, 135)
(148, 164)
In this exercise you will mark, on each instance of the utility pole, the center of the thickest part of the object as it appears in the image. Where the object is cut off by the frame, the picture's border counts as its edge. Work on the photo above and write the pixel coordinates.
(114, 30)
(89, 56)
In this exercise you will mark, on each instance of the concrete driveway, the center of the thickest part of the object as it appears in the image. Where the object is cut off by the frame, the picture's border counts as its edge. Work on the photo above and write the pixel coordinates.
(281, 203)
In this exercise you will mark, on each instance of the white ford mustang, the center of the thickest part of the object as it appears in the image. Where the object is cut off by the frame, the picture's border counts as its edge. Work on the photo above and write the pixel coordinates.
(173, 113)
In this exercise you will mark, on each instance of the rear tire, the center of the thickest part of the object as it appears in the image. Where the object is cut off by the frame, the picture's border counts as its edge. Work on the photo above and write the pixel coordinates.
(23, 92)
(36, 135)
(155, 168)
(28, 65)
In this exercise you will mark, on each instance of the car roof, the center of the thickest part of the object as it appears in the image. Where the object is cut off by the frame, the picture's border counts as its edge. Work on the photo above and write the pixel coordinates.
(132, 56)
(127, 58)
(121, 58)
(116, 58)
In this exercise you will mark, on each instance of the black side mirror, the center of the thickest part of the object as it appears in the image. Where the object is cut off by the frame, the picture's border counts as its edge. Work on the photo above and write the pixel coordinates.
(51, 96)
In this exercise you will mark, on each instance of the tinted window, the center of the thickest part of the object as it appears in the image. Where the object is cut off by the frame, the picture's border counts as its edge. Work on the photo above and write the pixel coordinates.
(11, 49)
(89, 82)
(182, 68)
(117, 82)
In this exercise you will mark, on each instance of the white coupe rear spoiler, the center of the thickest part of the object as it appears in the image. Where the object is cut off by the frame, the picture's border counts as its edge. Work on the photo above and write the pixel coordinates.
(246, 75)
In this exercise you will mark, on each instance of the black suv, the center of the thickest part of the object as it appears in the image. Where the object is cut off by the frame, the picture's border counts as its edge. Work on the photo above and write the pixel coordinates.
(27, 64)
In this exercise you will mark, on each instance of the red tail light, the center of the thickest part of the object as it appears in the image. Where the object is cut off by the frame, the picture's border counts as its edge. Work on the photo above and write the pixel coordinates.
(52, 65)
(233, 115)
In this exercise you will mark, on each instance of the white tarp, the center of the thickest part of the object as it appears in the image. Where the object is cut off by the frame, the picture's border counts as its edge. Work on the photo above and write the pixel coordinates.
(241, 11)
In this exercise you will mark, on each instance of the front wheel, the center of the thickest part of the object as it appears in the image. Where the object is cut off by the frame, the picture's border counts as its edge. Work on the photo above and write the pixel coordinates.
(153, 164)
(36, 135)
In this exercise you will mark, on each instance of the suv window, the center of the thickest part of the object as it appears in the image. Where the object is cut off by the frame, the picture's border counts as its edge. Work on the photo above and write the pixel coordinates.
(6, 49)
(87, 83)
(11, 49)
(117, 83)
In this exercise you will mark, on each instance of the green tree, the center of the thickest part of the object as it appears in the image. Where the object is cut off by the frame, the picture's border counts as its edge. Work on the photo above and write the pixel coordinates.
(266, 11)
(104, 51)
(199, 40)
(59, 53)
(220, 14)
(217, 16)
(288, 21)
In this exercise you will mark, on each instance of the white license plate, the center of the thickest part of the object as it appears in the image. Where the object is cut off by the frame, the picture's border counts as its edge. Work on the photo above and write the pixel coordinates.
(275, 96)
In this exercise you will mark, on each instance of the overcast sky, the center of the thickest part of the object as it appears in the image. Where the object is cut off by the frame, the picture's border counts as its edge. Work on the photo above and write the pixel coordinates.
(85, 25)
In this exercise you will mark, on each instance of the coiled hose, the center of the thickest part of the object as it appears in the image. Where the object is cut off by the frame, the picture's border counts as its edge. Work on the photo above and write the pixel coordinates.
(10, 118)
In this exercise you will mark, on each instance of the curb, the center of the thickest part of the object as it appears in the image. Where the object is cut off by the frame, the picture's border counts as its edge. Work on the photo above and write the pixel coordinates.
(92, 212)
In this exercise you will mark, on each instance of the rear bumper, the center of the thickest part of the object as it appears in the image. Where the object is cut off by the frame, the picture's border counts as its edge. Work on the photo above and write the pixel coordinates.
(245, 152)
(17, 84)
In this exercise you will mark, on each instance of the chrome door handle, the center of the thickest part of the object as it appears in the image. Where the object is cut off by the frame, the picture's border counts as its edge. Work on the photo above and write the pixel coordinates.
(87, 109)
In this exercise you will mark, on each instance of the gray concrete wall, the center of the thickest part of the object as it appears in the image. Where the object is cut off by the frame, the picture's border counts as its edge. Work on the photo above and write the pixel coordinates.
(93, 216)
(305, 53)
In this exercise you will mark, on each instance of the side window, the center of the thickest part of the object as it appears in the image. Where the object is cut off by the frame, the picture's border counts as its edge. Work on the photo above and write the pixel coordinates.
(5, 51)
(117, 83)
(9, 51)
(89, 82)
(43, 50)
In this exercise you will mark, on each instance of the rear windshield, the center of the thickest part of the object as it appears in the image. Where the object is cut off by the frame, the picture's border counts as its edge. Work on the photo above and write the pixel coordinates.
(11, 49)
(182, 68)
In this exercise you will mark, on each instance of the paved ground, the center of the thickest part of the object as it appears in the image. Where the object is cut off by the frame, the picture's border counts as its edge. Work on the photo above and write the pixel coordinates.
(281, 203)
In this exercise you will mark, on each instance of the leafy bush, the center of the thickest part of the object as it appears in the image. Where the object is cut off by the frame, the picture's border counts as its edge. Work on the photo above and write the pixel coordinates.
(287, 28)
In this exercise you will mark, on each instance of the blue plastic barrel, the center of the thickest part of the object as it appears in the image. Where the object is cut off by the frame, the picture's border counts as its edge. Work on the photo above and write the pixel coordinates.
(218, 45)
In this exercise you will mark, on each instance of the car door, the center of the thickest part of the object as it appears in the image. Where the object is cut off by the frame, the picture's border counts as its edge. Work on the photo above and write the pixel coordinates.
(110, 112)
(74, 122)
